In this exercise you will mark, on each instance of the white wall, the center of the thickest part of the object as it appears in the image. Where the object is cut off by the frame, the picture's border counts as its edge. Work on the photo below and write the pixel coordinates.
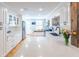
(29, 27)
(62, 10)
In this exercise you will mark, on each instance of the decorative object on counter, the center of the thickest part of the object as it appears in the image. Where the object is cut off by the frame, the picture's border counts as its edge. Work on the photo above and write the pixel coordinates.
(66, 35)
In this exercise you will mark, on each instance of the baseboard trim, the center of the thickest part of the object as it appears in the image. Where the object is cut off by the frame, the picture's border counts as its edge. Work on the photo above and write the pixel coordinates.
(15, 49)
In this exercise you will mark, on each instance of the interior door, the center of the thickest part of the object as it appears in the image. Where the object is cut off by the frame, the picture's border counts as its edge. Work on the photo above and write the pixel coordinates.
(74, 22)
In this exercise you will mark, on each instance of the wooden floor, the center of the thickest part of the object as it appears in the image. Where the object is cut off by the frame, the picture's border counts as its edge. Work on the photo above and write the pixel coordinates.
(15, 49)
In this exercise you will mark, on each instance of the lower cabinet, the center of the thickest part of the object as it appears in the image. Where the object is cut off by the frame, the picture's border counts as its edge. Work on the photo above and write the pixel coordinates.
(12, 41)
(1, 44)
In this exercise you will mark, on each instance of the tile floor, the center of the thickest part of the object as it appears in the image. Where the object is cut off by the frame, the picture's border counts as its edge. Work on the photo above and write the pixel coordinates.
(46, 46)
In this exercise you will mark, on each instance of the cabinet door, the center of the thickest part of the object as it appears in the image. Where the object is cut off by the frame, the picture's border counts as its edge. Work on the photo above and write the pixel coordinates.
(9, 42)
(1, 44)
(1, 34)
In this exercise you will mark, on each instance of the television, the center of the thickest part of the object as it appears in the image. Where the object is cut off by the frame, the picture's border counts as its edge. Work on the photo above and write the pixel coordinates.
(33, 23)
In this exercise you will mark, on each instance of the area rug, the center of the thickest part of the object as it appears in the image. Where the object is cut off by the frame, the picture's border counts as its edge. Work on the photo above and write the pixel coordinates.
(54, 34)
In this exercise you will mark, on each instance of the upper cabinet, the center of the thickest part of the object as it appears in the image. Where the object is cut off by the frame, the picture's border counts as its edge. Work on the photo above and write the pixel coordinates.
(12, 20)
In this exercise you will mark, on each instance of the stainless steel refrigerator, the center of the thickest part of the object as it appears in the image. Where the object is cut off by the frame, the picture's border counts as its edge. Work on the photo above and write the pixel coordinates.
(23, 30)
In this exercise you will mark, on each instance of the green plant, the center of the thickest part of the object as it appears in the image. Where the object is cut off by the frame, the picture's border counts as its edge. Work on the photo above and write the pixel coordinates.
(66, 36)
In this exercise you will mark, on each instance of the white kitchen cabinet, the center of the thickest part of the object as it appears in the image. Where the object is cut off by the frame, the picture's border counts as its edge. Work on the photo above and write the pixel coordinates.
(1, 34)
(14, 37)
(1, 43)
(10, 36)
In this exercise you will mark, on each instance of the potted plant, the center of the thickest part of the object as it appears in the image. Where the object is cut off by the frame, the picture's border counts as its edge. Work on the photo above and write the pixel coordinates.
(66, 36)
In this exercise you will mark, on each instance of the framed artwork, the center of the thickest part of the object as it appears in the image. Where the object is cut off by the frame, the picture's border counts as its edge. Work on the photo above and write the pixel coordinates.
(33, 23)
(56, 20)
(64, 22)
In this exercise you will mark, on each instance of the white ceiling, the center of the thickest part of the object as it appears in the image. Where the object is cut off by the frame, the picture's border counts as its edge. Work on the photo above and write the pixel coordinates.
(32, 8)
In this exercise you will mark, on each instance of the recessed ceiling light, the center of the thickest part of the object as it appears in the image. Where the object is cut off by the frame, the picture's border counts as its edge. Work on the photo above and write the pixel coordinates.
(40, 9)
(39, 46)
(22, 9)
